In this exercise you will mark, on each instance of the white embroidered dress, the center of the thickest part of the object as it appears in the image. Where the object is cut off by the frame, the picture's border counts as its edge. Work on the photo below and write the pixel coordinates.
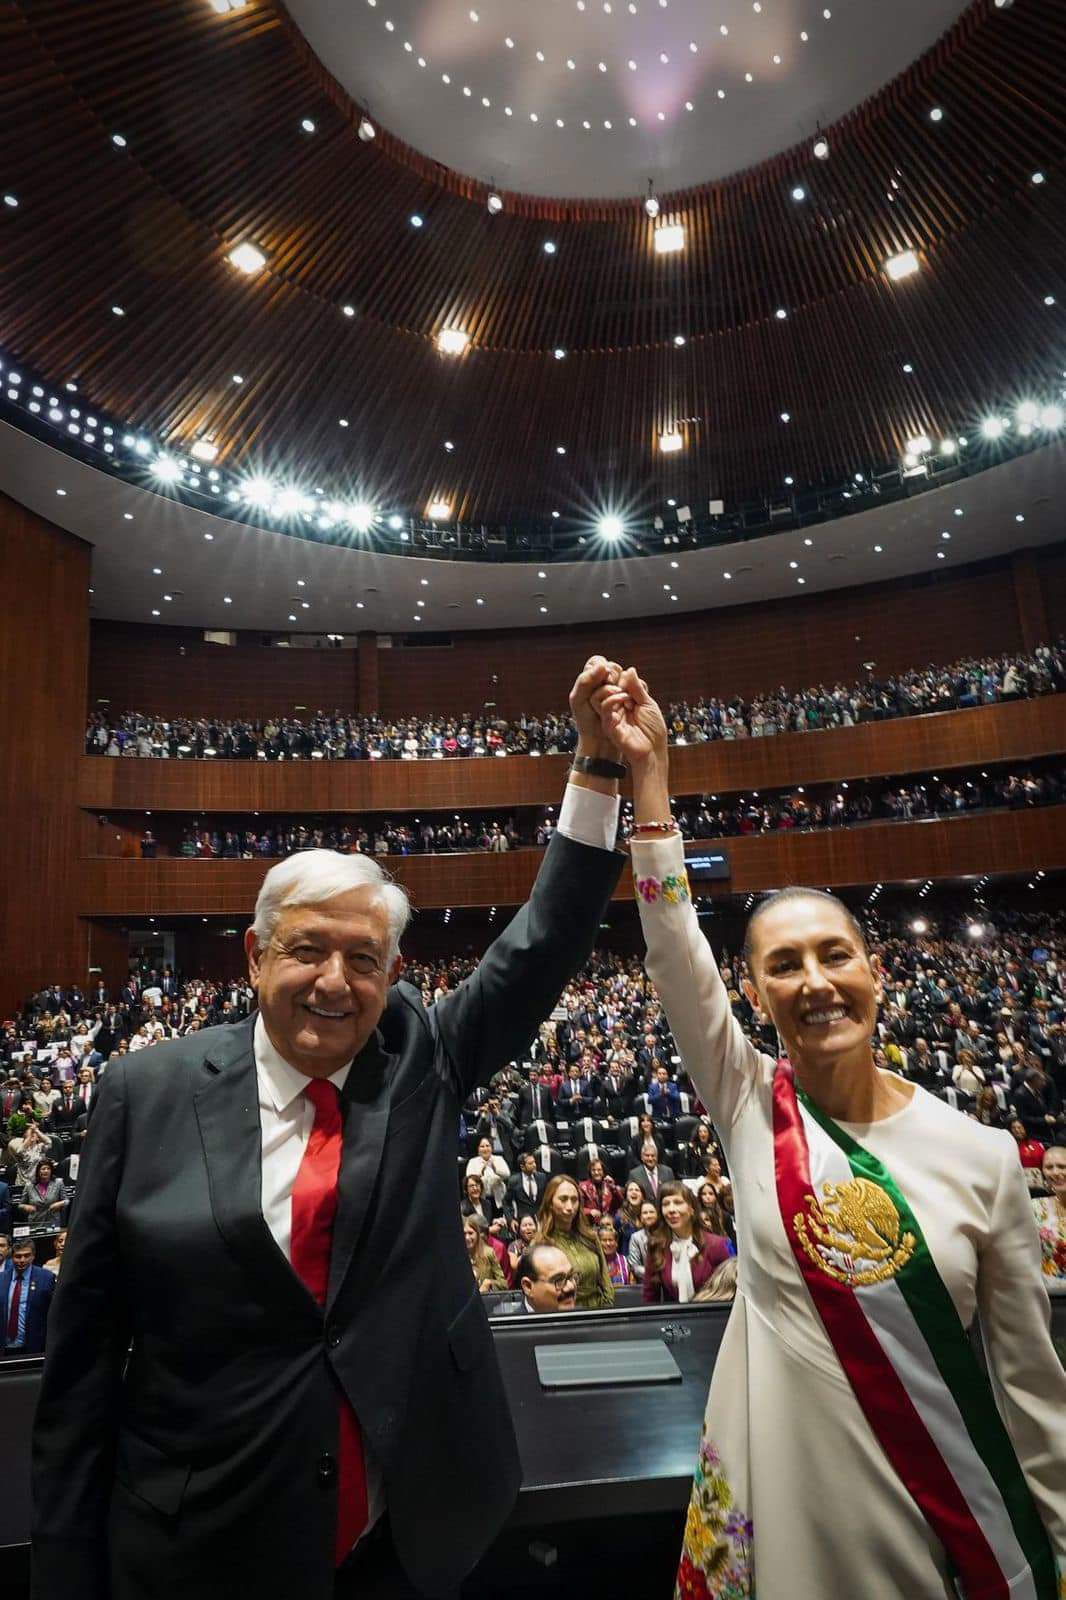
(794, 1498)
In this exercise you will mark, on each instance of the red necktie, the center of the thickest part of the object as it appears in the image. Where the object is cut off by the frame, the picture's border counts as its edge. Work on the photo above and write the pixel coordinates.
(13, 1315)
(314, 1207)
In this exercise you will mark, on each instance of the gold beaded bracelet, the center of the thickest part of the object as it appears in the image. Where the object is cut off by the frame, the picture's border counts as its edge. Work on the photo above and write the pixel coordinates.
(655, 827)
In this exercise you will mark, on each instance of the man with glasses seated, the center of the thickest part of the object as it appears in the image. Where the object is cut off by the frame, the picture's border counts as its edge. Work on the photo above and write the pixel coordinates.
(546, 1280)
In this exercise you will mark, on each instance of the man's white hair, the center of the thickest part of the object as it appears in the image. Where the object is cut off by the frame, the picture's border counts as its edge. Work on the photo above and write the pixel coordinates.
(314, 877)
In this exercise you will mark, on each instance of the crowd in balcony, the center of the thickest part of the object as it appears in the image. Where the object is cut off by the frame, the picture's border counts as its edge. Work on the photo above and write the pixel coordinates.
(700, 817)
(340, 736)
(595, 1144)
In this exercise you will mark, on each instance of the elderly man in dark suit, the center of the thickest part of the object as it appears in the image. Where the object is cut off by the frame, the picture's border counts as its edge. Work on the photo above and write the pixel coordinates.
(309, 1352)
(651, 1174)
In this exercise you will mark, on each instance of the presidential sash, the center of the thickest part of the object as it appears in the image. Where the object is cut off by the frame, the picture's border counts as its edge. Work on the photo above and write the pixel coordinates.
(905, 1352)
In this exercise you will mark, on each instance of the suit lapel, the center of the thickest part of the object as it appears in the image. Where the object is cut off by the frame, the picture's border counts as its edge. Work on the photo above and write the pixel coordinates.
(227, 1110)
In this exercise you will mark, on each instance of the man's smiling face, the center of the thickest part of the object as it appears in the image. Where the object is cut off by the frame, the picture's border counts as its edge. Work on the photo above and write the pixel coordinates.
(322, 979)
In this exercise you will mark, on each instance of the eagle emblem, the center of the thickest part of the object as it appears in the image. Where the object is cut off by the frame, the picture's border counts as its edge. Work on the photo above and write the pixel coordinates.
(853, 1234)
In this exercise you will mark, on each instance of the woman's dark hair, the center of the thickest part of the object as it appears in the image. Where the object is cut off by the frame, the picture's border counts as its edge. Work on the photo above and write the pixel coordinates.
(797, 892)
(470, 1178)
(45, 1161)
(660, 1236)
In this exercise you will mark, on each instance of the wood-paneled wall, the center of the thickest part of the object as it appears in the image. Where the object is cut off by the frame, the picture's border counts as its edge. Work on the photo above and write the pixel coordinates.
(44, 654)
(887, 852)
(740, 650)
(1018, 731)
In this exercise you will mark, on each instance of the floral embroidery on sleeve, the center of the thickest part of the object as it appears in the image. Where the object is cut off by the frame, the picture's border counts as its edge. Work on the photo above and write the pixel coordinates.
(673, 889)
(649, 889)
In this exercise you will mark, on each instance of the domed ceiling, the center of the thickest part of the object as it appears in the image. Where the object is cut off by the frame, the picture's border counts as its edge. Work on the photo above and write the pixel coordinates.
(594, 97)
(230, 236)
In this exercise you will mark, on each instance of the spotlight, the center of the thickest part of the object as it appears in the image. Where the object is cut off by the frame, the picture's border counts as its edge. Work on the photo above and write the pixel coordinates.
(290, 502)
(246, 258)
(416, 220)
(362, 516)
(671, 442)
(903, 265)
(799, 193)
(611, 527)
(395, 523)
(1027, 412)
(920, 445)
(452, 341)
(669, 239)
(993, 427)
(550, 247)
(367, 130)
(1051, 417)
(651, 206)
(204, 450)
(919, 925)
(820, 149)
(166, 469)
(494, 204)
(948, 447)
(438, 510)
(559, 353)
(976, 930)
(258, 492)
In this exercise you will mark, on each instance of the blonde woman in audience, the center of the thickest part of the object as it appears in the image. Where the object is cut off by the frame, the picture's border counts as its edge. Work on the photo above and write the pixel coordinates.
(488, 1274)
(561, 1222)
(1051, 1220)
(721, 1286)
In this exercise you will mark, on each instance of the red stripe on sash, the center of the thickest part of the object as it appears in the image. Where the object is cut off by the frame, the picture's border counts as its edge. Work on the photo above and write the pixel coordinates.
(887, 1406)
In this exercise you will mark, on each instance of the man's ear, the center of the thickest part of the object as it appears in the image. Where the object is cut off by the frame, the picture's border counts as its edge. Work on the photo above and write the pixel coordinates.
(399, 966)
(252, 951)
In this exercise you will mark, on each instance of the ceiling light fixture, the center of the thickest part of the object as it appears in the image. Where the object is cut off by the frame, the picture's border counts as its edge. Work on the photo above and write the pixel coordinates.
(993, 427)
(670, 443)
(920, 445)
(610, 526)
(452, 341)
(415, 220)
(247, 259)
(494, 204)
(903, 265)
(204, 450)
(669, 239)
(550, 247)
(820, 149)
(367, 130)
(439, 510)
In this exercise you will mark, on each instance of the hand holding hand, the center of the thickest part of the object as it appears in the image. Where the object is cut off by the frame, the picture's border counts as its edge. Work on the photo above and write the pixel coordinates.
(598, 673)
(632, 720)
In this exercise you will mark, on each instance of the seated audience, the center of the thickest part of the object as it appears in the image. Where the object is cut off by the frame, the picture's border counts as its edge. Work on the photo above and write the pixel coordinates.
(600, 1195)
(476, 1203)
(488, 1274)
(627, 1217)
(59, 1245)
(546, 1278)
(681, 1256)
(562, 1223)
(637, 1253)
(618, 1269)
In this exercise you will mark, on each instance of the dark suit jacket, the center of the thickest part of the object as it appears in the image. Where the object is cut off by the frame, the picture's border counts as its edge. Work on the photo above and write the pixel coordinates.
(40, 1287)
(5, 1208)
(516, 1202)
(639, 1175)
(528, 1101)
(207, 1468)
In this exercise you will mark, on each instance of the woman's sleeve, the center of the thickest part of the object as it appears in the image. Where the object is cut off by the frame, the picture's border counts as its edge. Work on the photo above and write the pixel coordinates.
(651, 1289)
(721, 1062)
(1027, 1375)
(606, 1286)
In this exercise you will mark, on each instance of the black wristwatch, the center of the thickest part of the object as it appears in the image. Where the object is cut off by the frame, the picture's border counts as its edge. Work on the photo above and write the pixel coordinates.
(596, 767)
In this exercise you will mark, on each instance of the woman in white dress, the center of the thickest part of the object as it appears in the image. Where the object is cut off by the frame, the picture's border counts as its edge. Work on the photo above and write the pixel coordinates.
(853, 1448)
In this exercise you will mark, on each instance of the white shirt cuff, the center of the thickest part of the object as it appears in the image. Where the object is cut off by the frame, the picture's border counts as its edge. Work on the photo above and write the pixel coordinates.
(589, 817)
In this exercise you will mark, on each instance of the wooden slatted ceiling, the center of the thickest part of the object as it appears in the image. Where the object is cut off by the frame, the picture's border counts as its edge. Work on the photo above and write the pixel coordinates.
(211, 110)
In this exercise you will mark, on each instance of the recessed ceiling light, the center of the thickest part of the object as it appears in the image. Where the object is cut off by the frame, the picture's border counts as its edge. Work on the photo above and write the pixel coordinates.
(786, 416)
(127, 516)
(425, 583)
(727, 576)
(342, 422)
(292, 616)
(793, 565)
(494, 204)
(799, 192)
(61, 492)
(801, 580)
(808, 542)
(449, 445)
(903, 265)
(679, 339)
(452, 341)
(247, 258)
(549, 247)
(993, 427)
(439, 510)
(1049, 299)
(559, 353)
(11, 200)
(670, 443)
(560, 449)
(878, 549)
(1018, 517)
(479, 601)
(936, 115)
(780, 313)
(669, 239)
(820, 149)
(416, 220)
(117, 311)
(118, 140)
(1037, 178)
(544, 611)
(155, 613)
(790, 481)
(307, 125)
(674, 564)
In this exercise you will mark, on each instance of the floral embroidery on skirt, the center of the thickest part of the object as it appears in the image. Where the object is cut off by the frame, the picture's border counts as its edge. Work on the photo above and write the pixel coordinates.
(716, 1557)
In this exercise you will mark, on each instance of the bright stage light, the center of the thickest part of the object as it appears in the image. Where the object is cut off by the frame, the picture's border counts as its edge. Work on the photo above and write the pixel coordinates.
(669, 239)
(948, 447)
(920, 445)
(438, 510)
(1027, 412)
(204, 450)
(367, 129)
(1051, 417)
(670, 442)
(993, 427)
(611, 527)
(494, 204)
(247, 259)
(820, 149)
(976, 930)
(452, 341)
(902, 266)
(166, 469)
(362, 516)
(651, 206)
(919, 925)
(258, 492)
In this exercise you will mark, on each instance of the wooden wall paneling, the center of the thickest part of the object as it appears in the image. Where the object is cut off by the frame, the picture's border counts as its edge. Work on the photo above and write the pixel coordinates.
(1029, 599)
(1020, 730)
(44, 653)
(998, 842)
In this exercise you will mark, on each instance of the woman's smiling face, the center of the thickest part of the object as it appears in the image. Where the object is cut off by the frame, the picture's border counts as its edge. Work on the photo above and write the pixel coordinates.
(812, 974)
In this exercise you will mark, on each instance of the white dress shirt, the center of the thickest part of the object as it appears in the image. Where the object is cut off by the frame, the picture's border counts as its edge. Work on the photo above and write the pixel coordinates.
(287, 1115)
